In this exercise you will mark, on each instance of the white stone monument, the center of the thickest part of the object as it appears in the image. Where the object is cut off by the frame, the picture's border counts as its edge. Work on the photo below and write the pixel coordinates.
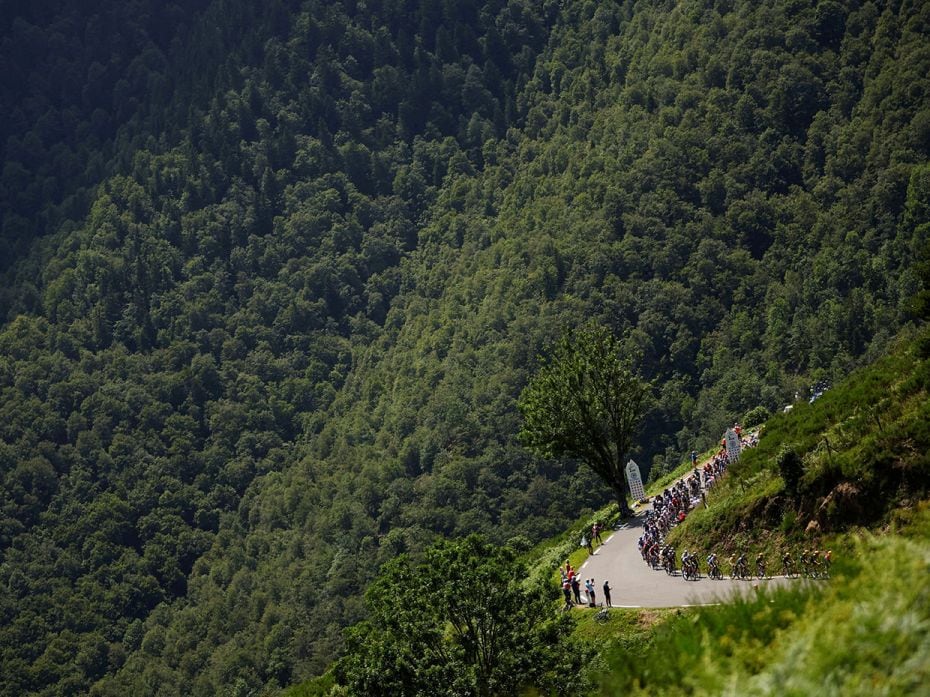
(733, 445)
(635, 480)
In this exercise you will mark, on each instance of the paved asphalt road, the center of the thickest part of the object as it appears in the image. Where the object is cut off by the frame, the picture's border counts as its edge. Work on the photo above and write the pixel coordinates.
(634, 583)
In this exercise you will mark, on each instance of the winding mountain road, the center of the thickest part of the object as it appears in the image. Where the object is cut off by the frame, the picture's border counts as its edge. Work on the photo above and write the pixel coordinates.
(634, 583)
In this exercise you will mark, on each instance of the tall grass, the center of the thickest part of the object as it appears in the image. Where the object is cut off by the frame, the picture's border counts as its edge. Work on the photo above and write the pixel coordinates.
(870, 435)
(865, 633)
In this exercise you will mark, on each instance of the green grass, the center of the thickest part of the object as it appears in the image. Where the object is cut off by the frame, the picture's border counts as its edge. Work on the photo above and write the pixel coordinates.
(677, 473)
(864, 633)
(865, 448)
(630, 627)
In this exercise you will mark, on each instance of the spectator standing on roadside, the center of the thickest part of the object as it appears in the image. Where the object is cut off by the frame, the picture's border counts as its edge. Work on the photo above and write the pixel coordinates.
(607, 594)
(589, 585)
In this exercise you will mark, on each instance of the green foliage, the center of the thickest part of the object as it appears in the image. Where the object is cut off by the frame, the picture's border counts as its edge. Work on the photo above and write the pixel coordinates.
(790, 468)
(848, 459)
(458, 622)
(756, 417)
(321, 686)
(586, 403)
(182, 315)
(772, 643)
(275, 275)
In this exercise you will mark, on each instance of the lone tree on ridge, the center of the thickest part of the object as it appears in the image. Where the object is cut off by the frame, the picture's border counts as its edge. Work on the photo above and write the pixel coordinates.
(586, 402)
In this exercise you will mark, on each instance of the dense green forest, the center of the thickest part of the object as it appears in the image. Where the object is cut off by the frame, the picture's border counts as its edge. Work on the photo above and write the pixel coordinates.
(274, 275)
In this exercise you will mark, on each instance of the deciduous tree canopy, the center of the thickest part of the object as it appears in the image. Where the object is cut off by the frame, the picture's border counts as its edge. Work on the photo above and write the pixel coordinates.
(462, 621)
(586, 402)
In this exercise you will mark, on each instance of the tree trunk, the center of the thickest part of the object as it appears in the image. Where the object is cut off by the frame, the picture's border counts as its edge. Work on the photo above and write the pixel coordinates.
(620, 494)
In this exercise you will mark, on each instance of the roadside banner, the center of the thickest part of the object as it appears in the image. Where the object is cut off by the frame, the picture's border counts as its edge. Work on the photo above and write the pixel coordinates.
(635, 480)
(733, 446)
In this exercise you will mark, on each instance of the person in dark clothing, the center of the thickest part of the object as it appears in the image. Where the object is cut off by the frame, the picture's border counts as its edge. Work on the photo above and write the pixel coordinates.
(576, 589)
(607, 594)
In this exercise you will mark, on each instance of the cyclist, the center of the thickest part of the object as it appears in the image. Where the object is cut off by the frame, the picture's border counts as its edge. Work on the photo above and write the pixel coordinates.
(687, 565)
(693, 566)
(786, 563)
(742, 566)
(713, 570)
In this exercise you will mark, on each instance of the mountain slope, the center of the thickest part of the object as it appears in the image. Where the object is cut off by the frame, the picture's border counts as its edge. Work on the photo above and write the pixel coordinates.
(874, 473)
(163, 353)
(285, 343)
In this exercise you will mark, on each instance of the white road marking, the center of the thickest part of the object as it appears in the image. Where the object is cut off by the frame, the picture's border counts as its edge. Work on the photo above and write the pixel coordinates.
(700, 605)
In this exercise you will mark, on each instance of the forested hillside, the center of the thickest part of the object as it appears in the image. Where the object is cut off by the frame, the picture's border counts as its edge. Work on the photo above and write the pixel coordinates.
(275, 275)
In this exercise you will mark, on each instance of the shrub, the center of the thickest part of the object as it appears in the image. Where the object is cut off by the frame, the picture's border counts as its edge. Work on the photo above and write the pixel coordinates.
(790, 468)
(756, 416)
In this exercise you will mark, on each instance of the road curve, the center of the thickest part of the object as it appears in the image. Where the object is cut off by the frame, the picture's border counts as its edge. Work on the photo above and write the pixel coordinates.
(634, 583)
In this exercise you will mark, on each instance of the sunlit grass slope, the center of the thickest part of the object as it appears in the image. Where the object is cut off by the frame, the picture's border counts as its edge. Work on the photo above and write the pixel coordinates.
(862, 489)
(864, 449)
(863, 633)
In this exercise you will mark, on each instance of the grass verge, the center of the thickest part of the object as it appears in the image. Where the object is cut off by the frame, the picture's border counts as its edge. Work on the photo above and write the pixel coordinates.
(876, 613)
